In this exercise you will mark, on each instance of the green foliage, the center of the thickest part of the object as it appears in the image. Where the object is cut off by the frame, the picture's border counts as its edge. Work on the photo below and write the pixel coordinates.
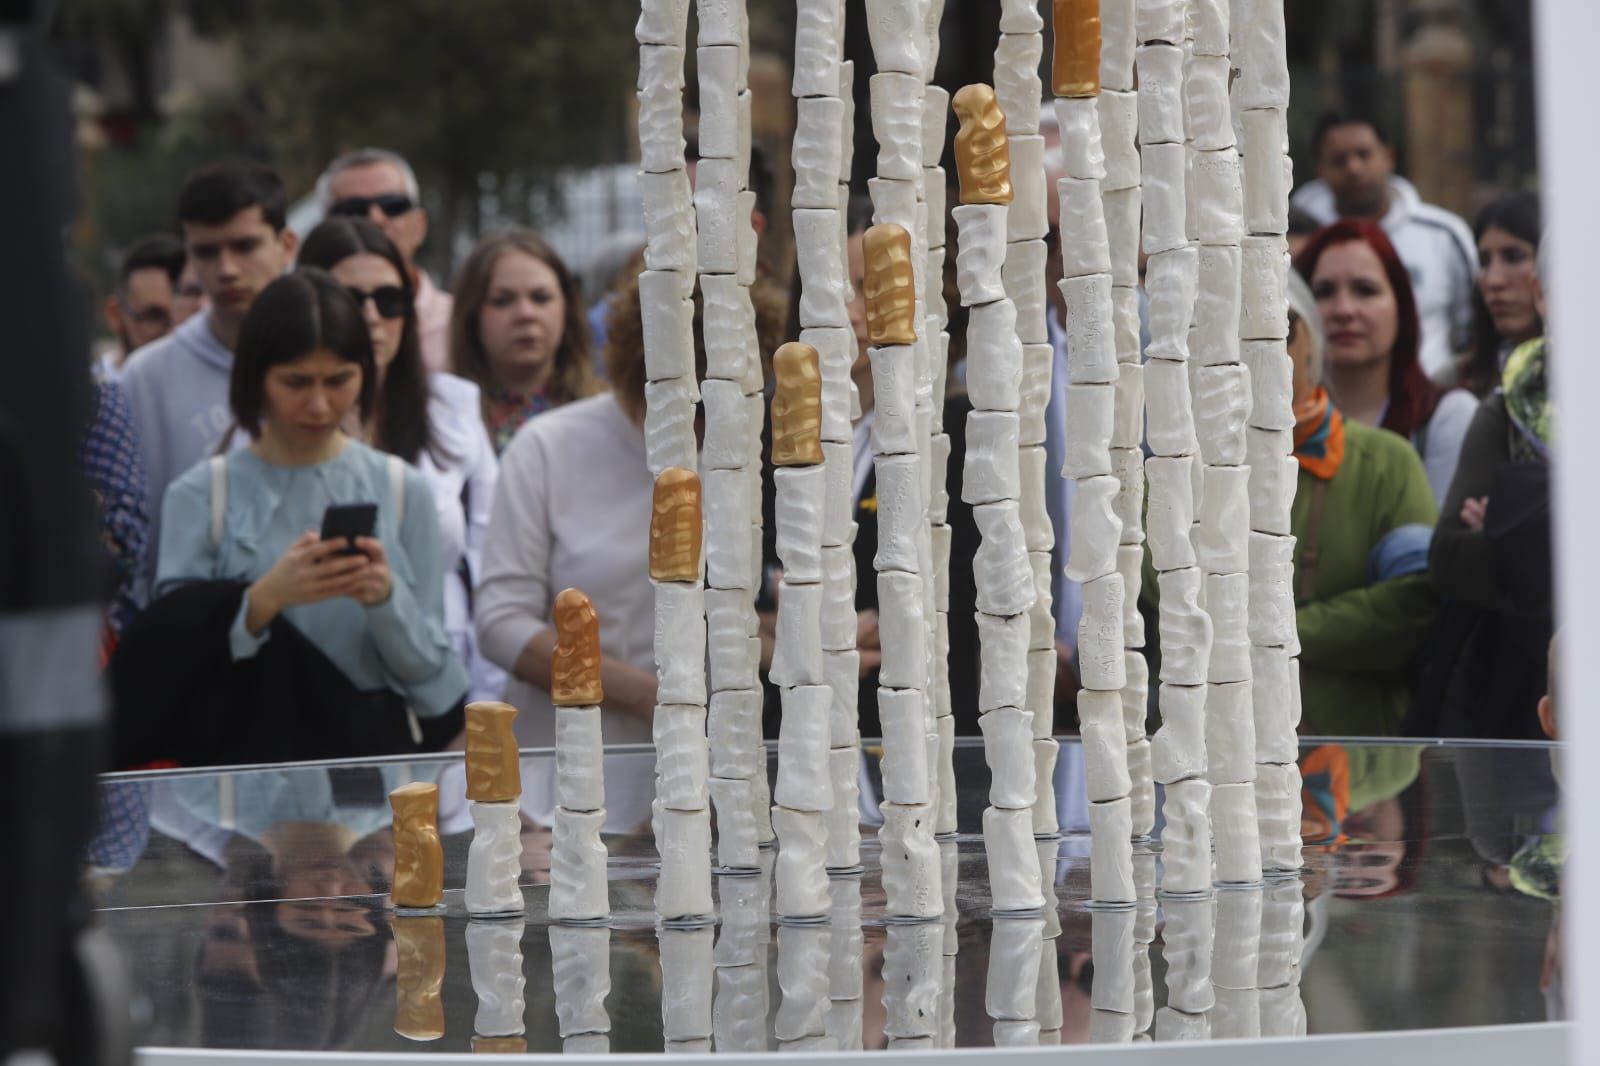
(464, 90)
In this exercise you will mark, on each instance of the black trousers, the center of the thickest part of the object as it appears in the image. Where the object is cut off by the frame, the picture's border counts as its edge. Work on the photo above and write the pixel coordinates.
(179, 696)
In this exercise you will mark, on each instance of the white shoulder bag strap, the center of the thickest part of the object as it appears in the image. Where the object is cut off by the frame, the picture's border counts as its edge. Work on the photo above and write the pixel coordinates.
(397, 490)
(219, 498)
(397, 493)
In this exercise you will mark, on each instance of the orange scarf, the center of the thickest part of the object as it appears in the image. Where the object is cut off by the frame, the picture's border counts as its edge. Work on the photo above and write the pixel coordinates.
(1319, 435)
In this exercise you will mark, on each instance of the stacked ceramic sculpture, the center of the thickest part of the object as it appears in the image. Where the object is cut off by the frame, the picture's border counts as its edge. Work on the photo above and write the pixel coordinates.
(494, 793)
(935, 120)
(679, 814)
(680, 233)
(1260, 100)
(1019, 92)
(1091, 389)
(903, 375)
(417, 890)
(1121, 199)
(730, 461)
(1179, 748)
(578, 889)
(910, 855)
(494, 948)
(494, 862)
(991, 483)
(1220, 386)
(804, 791)
(824, 141)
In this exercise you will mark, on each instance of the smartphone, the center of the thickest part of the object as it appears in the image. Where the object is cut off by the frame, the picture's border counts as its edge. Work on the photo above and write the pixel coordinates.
(347, 521)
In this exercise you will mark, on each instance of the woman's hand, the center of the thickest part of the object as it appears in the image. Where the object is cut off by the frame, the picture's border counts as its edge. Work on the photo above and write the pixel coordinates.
(1473, 510)
(373, 583)
(309, 571)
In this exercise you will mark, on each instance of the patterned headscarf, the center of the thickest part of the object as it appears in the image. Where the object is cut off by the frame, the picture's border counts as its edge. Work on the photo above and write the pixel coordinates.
(1526, 386)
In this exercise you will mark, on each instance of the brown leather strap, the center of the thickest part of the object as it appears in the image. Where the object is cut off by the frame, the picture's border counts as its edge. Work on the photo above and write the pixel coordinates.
(1310, 547)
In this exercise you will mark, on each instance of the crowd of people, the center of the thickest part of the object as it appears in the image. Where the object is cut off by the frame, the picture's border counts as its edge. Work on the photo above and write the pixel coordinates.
(338, 501)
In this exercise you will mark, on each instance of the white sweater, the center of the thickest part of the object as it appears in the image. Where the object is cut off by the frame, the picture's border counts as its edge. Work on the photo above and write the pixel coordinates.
(572, 509)
(463, 491)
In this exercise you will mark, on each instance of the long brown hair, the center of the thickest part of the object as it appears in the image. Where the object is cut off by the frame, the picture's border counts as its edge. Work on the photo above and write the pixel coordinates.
(572, 377)
(400, 415)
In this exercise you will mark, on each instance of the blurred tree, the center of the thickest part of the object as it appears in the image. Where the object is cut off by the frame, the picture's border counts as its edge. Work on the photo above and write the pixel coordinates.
(130, 31)
(488, 97)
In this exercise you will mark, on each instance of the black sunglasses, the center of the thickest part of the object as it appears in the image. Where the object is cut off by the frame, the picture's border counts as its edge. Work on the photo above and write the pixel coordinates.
(392, 301)
(393, 205)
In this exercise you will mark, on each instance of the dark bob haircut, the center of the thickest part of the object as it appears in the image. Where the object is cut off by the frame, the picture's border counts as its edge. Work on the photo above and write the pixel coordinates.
(218, 191)
(296, 315)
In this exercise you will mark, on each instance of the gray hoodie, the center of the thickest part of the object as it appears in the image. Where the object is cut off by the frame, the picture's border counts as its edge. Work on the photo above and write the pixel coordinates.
(178, 387)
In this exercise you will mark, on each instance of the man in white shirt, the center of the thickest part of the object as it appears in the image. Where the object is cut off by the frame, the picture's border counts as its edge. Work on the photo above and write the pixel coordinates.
(1356, 179)
(378, 184)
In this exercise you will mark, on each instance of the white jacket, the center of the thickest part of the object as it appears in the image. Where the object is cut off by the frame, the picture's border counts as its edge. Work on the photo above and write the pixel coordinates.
(1441, 256)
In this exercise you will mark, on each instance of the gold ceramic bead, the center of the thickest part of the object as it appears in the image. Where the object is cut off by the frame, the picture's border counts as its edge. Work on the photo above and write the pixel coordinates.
(983, 155)
(797, 406)
(889, 286)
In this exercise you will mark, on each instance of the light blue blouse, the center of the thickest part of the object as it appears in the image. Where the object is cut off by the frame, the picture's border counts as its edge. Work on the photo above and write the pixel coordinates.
(399, 644)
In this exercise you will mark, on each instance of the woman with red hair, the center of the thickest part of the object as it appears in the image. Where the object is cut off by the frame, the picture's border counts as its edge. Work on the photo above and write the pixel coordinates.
(1369, 314)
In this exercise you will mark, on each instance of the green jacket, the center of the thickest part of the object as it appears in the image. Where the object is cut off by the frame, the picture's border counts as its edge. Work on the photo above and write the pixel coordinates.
(1356, 639)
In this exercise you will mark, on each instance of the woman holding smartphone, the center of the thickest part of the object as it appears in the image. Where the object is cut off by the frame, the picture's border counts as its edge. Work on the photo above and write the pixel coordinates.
(322, 653)
(431, 420)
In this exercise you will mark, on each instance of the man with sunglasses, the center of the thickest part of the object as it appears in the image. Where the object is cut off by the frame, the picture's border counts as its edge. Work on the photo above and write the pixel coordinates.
(378, 184)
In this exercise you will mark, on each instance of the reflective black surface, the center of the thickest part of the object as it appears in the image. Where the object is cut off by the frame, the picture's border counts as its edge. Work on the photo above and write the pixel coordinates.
(252, 907)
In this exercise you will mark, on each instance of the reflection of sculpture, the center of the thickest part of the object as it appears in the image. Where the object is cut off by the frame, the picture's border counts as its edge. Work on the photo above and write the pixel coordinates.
(418, 855)
(675, 526)
(494, 962)
(797, 406)
(419, 974)
(1076, 68)
(499, 1045)
(494, 774)
(889, 286)
(983, 156)
(575, 668)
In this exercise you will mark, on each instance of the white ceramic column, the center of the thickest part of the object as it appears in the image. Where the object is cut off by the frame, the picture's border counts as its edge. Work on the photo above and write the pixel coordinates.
(1093, 371)
(1260, 102)
(1172, 278)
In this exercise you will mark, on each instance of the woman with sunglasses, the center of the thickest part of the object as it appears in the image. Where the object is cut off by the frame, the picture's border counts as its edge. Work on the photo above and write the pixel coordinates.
(429, 420)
